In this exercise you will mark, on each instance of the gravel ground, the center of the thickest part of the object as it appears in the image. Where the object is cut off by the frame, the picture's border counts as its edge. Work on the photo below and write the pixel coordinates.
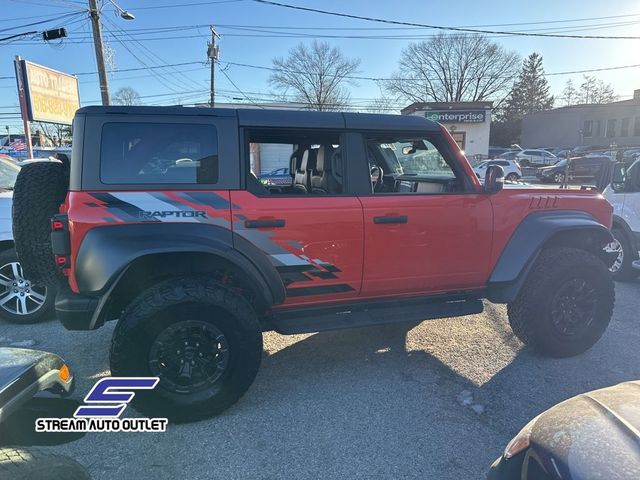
(434, 400)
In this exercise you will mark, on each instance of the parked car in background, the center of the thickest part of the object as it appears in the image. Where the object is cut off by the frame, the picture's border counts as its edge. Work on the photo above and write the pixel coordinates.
(279, 176)
(624, 195)
(536, 157)
(21, 301)
(495, 152)
(512, 171)
(592, 435)
(589, 167)
(584, 149)
(554, 173)
(509, 154)
(562, 152)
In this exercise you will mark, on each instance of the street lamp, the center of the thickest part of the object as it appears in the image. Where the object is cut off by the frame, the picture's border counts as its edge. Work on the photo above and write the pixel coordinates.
(94, 13)
(127, 15)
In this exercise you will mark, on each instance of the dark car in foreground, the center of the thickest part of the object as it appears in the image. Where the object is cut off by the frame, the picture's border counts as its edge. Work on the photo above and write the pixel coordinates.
(23, 374)
(580, 168)
(592, 435)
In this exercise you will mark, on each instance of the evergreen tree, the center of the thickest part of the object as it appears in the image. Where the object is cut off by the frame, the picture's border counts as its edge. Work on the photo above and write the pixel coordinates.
(529, 94)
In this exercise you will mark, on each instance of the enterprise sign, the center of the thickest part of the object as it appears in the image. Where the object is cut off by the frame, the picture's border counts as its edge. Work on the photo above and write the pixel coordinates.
(456, 116)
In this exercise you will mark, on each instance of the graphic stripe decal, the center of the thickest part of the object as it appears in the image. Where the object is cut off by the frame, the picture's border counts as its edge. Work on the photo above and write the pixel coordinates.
(319, 290)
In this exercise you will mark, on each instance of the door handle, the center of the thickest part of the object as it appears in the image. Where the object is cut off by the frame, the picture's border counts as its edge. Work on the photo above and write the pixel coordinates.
(276, 223)
(398, 219)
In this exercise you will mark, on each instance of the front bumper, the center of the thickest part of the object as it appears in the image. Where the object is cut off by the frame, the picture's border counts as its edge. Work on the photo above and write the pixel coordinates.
(76, 311)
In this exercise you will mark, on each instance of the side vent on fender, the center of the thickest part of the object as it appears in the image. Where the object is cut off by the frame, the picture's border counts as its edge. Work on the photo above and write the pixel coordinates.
(542, 202)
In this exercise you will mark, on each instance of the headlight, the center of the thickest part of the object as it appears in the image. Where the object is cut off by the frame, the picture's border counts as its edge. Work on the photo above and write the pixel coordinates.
(521, 441)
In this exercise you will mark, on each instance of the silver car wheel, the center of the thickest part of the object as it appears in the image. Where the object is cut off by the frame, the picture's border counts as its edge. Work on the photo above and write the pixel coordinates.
(17, 294)
(615, 247)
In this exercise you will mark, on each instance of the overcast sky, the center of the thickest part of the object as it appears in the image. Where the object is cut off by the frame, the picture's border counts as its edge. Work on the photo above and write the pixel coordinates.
(258, 46)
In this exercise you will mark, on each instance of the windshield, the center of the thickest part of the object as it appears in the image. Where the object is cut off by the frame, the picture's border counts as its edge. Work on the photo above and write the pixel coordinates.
(561, 163)
(8, 174)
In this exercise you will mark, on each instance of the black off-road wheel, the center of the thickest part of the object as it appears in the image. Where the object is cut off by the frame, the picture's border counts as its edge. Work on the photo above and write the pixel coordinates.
(199, 337)
(38, 192)
(565, 304)
(622, 268)
(29, 464)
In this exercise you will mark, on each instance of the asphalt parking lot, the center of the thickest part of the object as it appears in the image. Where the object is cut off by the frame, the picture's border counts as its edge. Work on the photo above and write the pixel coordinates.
(434, 400)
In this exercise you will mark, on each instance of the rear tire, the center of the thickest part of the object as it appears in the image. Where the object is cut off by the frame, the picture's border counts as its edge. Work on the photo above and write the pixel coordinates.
(38, 192)
(558, 178)
(566, 303)
(203, 341)
(622, 269)
(23, 309)
(28, 464)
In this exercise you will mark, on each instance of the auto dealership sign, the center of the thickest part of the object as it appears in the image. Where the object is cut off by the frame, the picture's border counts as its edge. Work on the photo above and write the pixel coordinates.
(50, 96)
(456, 116)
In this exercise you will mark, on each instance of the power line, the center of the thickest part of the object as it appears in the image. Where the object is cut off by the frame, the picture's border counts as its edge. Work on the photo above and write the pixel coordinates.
(52, 19)
(442, 27)
(379, 79)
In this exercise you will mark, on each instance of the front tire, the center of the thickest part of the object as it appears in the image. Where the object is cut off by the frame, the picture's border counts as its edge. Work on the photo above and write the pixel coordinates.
(566, 303)
(201, 338)
(622, 268)
(21, 300)
(512, 177)
(558, 177)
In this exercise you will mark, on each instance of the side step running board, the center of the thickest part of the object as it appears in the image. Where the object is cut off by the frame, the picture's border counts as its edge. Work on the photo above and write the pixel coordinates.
(353, 316)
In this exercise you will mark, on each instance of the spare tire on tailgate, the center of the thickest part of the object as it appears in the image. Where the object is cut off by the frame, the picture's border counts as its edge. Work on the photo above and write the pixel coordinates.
(38, 192)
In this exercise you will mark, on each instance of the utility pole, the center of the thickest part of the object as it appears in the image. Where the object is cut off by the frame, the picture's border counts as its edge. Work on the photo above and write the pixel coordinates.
(213, 52)
(94, 13)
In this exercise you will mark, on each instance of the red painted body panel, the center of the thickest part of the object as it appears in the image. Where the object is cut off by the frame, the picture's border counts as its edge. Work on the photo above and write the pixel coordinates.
(85, 211)
(445, 244)
(330, 250)
(318, 231)
(512, 205)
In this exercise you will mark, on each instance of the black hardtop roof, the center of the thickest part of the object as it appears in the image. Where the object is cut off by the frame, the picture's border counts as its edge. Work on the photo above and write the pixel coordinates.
(248, 117)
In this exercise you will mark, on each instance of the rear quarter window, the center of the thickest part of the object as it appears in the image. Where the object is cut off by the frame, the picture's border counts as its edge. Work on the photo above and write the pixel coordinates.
(158, 153)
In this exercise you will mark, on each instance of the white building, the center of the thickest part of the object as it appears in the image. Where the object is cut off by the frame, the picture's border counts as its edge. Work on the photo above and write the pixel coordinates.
(468, 122)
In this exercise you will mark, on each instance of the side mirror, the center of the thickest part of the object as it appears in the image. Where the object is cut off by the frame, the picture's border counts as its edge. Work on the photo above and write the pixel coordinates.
(619, 177)
(494, 179)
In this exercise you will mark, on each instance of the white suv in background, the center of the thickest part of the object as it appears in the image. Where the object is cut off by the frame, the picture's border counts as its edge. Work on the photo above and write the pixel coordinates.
(624, 195)
(512, 171)
(536, 156)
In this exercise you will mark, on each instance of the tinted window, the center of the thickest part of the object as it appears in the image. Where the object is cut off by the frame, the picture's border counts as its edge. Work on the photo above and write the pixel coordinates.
(503, 164)
(158, 153)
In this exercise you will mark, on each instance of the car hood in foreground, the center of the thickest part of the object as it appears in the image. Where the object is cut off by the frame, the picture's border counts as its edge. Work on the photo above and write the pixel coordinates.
(593, 435)
(25, 372)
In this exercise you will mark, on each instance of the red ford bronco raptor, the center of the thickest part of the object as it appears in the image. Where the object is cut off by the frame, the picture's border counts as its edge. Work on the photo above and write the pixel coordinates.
(161, 222)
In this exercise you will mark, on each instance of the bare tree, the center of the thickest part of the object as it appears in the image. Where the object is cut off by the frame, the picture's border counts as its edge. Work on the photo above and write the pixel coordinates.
(382, 104)
(57, 134)
(454, 68)
(126, 96)
(317, 75)
(569, 94)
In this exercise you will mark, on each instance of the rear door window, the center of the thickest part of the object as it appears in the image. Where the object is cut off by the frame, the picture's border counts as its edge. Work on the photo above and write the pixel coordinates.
(158, 153)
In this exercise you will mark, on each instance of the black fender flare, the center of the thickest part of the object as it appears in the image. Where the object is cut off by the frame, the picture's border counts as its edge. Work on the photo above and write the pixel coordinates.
(106, 252)
(522, 249)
